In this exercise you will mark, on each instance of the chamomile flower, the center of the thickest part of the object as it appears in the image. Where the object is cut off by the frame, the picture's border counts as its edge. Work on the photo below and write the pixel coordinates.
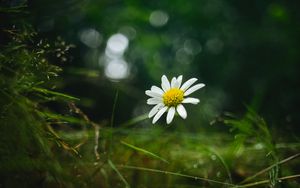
(170, 97)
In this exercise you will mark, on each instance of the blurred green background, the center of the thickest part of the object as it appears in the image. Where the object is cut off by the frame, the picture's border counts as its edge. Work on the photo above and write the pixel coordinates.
(246, 52)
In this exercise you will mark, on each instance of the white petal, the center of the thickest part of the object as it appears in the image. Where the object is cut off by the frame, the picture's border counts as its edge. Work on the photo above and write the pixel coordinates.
(165, 84)
(152, 101)
(173, 82)
(179, 80)
(193, 89)
(170, 116)
(188, 83)
(153, 94)
(157, 90)
(155, 109)
(191, 100)
(181, 111)
(159, 114)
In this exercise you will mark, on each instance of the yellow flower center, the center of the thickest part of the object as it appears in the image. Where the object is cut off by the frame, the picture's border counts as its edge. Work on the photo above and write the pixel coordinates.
(173, 97)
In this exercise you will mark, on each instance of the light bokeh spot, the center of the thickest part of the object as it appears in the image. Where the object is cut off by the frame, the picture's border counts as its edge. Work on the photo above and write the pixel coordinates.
(117, 44)
(214, 45)
(128, 31)
(117, 69)
(158, 18)
(90, 37)
(192, 46)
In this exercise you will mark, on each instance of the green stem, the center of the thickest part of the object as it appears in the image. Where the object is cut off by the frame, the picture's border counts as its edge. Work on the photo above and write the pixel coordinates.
(112, 120)
(268, 181)
(175, 174)
(270, 167)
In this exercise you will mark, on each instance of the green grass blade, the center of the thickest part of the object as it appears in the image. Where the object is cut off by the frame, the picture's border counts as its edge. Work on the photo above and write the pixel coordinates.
(111, 164)
(53, 93)
(270, 167)
(112, 119)
(135, 120)
(63, 118)
(176, 174)
(144, 151)
(285, 178)
(223, 162)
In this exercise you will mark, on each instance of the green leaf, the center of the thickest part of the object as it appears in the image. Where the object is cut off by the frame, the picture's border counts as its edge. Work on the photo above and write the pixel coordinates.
(53, 93)
(111, 164)
(144, 151)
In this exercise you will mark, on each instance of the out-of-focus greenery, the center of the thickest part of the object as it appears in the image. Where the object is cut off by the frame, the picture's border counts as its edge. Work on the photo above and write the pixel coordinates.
(66, 121)
(26, 82)
(245, 52)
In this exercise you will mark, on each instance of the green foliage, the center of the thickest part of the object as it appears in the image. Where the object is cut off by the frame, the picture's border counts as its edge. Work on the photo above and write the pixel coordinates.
(26, 155)
(144, 151)
(40, 147)
(251, 127)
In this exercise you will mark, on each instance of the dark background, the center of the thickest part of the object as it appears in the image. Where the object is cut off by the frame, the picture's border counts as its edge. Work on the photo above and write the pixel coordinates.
(247, 53)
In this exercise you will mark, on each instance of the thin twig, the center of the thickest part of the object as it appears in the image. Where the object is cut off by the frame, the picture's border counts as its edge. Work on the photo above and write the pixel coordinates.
(95, 125)
(96, 142)
(82, 115)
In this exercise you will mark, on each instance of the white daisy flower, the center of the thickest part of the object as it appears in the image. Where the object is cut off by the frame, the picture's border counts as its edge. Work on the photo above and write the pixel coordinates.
(171, 97)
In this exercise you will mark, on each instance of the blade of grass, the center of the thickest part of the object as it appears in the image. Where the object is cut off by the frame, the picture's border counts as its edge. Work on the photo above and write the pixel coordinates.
(135, 120)
(144, 151)
(270, 167)
(112, 121)
(176, 174)
(268, 181)
(58, 94)
(223, 162)
(16, 9)
(61, 117)
(111, 164)
(114, 109)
